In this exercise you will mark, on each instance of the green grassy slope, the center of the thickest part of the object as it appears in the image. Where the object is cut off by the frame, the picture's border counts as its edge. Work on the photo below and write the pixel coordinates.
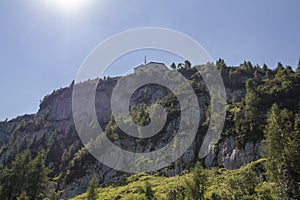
(220, 183)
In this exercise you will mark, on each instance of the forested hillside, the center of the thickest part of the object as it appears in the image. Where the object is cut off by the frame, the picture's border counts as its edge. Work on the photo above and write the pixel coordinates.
(256, 157)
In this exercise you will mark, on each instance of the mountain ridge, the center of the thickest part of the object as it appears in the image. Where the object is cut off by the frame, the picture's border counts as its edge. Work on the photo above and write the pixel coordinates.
(73, 167)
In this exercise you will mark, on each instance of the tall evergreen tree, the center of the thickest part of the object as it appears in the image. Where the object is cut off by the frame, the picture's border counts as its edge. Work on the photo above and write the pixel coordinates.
(187, 64)
(251, 101)
(38, 177)
(249, 66)
(298, 68)
(282, 152)
(173, 66)
(242, 184)
(25, 178)
(197, 185)
(14, 178)
(19, 172)
(23, 196)
(149, 193)
(92, 189)
(220, 63)
(265, 67)
(279, 67)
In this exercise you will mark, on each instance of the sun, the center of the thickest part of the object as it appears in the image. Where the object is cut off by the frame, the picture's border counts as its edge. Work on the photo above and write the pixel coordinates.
(69, 5)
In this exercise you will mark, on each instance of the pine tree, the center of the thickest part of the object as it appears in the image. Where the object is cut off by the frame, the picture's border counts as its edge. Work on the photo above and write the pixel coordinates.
(54, 195)
(220, 63)
(198, 183)
(242, 184)
(251, 101)
(268, 74)
(292, 170)
(172, 194)
(13, 179)
(223, 69)
(187, 64)
(279, 67)
(173, 66)
(273, 148)
(176, 193)
(282, 152)
(149, 193)
(23, 196)
(92, 189)
(265, 67)
(64, 160)
(298, 68)
(25, 178)
(249, 66)
(38, 180)
(19, 172)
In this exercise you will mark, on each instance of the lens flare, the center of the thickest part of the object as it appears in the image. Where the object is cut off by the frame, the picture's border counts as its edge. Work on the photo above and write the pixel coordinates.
(69, 5)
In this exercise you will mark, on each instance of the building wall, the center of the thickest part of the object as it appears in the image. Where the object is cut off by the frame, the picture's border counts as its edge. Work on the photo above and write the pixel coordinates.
(153, 66)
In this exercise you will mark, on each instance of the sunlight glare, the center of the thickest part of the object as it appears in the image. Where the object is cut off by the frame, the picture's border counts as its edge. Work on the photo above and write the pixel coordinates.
(69, 5)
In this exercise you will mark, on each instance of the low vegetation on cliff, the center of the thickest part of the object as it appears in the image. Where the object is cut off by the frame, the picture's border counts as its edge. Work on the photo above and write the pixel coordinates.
(42, 157)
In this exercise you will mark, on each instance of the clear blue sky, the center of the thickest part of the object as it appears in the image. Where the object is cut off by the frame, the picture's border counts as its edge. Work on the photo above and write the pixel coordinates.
(42, 46)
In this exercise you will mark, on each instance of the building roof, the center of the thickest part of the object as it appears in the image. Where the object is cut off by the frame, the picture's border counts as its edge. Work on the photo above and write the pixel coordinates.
(150, 63)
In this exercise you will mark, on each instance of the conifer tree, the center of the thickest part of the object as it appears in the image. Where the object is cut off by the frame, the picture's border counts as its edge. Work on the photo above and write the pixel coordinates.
(298, 68)
(251, 101)
(19, 172)
(265, 67)
(187, 64)
(279, 67)
(38, 180)
(92, 189)
(149, 193)
(197, 185)
(282, 152)
(173, 66)
(13, 179)
(23, 196)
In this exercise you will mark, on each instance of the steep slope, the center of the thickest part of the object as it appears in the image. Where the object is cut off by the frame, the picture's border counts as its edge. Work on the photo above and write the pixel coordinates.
(73, 167)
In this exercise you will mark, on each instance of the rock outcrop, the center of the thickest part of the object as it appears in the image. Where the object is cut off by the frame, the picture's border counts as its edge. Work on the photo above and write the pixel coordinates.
(230, 156)
(54, 122)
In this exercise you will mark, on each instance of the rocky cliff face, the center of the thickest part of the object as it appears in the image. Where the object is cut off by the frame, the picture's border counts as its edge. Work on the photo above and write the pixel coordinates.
(54, 122)
(231, 157)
